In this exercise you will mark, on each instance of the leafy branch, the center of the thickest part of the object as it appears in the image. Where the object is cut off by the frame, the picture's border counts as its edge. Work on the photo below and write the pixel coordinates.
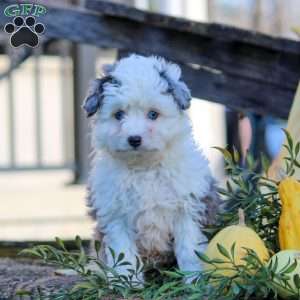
(251, 279)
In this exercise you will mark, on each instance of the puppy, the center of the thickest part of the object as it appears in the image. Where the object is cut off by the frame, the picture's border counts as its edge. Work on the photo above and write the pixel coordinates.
(150, 189)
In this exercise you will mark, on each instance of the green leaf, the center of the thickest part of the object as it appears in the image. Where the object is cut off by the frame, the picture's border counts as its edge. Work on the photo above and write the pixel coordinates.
(223, 251)
(203, 257)
(289, 139)
(112, 253)
(232, 250)
(227, 155)
(124, 263)
(165, 287)
(297, 164)
(82, 285)
(60, 243)
(31, 252)
(265, 162)
(120, 257)
(236, 155)
(250, 160)
(97, 246)
(172, 274)
(218, 261)
(229, 187)
(296, 280)
(297, 149)
(78, 242)
(290, 268)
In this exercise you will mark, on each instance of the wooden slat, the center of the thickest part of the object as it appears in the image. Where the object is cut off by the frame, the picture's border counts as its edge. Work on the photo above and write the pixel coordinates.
(238, 93)
(236, 51)
(214, 30)
(252, 71)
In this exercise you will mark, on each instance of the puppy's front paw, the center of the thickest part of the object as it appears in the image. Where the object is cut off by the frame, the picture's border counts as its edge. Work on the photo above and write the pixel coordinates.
(191, 278)
(136, 279)
(192, 271)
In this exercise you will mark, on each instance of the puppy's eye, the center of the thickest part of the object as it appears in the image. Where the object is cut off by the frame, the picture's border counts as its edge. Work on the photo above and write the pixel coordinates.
(119, 115)
(152, 115)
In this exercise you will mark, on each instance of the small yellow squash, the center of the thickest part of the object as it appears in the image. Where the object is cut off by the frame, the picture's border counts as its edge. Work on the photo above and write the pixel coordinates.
(243, 237)
(289, 223)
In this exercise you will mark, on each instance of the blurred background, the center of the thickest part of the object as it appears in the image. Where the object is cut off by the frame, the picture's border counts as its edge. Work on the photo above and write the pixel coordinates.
(44, 144)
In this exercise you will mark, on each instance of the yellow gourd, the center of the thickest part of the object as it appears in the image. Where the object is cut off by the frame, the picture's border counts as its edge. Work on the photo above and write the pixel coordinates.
(243, 237)
(289, 223)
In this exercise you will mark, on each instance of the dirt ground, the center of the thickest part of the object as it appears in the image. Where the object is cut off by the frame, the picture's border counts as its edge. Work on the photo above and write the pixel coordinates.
(27, 275)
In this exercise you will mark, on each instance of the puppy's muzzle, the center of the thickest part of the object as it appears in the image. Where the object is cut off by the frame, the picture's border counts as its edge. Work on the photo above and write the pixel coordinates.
(135, 141)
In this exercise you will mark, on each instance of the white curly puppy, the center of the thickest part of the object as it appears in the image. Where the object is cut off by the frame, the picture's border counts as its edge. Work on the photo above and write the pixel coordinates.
(150, 188)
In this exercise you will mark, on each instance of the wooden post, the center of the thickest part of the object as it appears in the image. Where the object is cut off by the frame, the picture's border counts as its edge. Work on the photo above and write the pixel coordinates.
(84, 70)
(84, 60)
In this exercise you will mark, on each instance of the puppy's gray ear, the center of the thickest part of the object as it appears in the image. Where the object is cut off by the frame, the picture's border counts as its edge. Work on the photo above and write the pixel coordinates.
(179, 91)
(108, 68)
(94, 98)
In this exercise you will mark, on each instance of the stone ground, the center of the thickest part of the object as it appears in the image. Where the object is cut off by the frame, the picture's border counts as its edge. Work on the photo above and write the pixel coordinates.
(37, 206)
(27, 275)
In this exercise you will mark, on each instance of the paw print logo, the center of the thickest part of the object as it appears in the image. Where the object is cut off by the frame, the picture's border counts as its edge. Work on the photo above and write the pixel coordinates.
(24, 32)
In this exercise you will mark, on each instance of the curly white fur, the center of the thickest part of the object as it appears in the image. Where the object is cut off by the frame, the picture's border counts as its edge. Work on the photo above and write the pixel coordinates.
(149, 200)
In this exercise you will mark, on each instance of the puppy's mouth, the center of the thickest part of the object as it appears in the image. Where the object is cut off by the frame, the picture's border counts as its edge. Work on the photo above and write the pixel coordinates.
(138, 158)
(136, 150)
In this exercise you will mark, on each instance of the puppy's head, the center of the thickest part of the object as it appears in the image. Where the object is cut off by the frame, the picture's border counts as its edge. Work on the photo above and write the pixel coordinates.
(138, 106)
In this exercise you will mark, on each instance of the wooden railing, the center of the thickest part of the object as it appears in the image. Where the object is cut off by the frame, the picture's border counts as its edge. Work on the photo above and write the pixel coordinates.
(242, 69)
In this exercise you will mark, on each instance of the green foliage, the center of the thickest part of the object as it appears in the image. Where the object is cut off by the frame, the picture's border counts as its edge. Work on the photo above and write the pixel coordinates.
(255, 193)
(252, 280)
(94, 284)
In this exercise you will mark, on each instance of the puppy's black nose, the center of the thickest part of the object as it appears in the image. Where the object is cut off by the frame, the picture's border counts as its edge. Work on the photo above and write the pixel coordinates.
(135, 141)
